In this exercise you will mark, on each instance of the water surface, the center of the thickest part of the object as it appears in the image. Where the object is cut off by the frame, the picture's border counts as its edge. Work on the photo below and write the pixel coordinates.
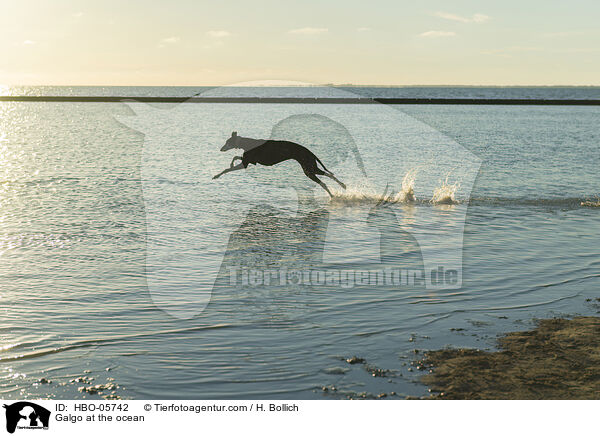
(74, 232)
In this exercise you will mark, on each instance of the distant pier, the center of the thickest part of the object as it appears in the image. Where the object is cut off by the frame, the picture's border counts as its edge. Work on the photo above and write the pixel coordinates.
(307, 100)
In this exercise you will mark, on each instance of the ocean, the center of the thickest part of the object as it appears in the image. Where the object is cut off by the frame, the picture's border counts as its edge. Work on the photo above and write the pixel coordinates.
(125, 265)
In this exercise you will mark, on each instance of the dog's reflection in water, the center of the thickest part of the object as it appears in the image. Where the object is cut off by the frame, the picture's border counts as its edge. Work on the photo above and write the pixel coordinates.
(267, 240)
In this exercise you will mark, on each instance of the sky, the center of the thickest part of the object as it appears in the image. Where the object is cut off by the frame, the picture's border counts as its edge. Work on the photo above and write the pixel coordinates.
(379, 42)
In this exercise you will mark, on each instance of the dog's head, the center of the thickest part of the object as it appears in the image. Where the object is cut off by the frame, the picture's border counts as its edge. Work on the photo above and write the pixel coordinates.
(231, 142)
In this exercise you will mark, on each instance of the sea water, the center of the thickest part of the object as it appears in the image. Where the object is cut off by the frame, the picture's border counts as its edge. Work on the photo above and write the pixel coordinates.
(86, 196)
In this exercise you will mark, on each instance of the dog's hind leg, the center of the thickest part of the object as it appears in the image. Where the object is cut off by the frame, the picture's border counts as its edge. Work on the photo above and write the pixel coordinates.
(330, 175)
(313, 177)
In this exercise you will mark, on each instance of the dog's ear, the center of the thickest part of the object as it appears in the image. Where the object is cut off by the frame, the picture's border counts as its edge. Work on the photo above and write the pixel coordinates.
(233, 134)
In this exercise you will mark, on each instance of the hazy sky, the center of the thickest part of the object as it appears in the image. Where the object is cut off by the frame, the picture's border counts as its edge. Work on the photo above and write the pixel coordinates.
(192, 42)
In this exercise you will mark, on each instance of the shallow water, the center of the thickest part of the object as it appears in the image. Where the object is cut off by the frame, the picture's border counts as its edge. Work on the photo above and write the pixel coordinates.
(92, 204)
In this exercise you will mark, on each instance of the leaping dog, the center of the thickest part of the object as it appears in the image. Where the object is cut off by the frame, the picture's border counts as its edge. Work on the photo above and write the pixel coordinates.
(270, 152)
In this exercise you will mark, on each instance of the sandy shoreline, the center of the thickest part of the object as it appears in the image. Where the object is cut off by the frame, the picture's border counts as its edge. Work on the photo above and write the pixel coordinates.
(559, 359)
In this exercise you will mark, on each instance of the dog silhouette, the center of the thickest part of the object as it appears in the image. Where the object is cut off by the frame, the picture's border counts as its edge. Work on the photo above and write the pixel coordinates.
(271, 152)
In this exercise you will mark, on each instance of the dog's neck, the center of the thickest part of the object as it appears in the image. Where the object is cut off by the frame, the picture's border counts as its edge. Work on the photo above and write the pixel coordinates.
(249, 143)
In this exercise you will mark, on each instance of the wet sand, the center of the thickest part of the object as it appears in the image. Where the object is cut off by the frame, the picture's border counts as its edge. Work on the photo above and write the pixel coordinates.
(559, 359)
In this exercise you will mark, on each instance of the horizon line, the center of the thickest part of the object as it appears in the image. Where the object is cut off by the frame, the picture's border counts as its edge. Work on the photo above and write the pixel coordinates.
(309, 100)
(296, 85)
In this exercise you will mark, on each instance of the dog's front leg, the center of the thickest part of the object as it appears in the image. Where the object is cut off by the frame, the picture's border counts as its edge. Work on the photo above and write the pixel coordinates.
(233, 160)
(235, 168)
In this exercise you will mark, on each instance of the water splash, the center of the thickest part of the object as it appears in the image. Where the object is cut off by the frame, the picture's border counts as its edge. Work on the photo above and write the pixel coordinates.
(444, 194)
(356, 195)
(365, 194)
(407, 194)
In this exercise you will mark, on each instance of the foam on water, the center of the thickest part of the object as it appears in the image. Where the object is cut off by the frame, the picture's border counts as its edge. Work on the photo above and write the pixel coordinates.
(356, 196)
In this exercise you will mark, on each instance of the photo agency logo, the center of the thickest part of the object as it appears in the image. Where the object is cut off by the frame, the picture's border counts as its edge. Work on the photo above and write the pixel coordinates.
(26, 415)
(296, 195)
